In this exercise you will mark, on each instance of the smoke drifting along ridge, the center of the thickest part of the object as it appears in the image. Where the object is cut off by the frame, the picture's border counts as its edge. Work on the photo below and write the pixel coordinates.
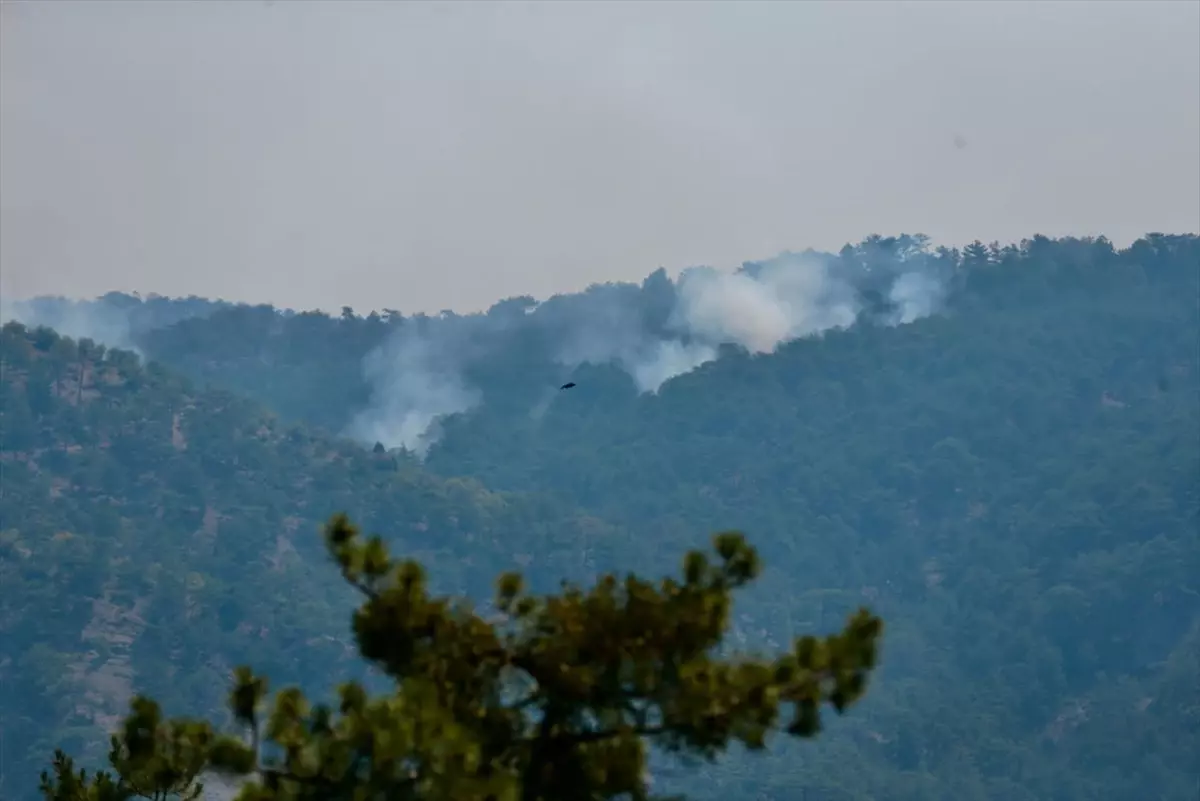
(101, 323)
(759, 308)
(115, 320)
(428, 368)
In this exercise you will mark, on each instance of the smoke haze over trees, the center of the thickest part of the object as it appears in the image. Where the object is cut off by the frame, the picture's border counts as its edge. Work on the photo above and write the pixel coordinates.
(420, 368)
(996, 449)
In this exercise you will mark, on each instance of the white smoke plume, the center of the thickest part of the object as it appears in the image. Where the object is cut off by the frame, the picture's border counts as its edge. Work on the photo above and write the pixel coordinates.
(603, 326)
(666, 359)
(415, 380)
(787, 299)
(104, 325)
(654, 333)
(915, 295)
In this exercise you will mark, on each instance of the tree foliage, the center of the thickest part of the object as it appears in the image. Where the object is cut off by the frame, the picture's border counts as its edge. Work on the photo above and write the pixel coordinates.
(150, 758)
(553, 700)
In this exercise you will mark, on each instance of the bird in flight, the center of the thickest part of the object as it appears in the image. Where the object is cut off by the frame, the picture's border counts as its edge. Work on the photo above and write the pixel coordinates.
(567, 385)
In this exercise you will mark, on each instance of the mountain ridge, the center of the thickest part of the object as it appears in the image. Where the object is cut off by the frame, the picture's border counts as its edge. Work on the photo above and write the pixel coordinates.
(1008, 482)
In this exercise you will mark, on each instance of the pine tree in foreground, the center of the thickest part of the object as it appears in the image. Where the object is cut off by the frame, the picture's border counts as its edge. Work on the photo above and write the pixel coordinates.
(557, 700)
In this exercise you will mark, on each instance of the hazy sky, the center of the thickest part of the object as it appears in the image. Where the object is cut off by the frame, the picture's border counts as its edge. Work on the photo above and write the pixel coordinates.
(444, 155)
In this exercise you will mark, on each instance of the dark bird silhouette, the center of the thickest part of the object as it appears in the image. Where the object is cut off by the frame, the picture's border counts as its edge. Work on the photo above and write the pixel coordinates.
(567, 385)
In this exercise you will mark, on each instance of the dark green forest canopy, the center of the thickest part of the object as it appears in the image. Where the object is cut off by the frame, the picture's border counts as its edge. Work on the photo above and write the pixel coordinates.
(1010, 482)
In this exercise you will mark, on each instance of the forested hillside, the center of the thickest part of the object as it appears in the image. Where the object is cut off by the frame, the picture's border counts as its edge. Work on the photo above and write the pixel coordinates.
(1014, 483)
(153, 535)
(998, 449)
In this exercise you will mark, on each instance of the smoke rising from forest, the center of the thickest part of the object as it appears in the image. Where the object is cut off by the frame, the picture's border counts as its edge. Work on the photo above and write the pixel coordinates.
(654, 333)
(115, 320)
(426, 368)
(788, 299)
(414, 380)
(98, 322)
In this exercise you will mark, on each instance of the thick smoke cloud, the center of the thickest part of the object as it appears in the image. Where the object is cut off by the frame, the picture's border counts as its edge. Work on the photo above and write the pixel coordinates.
(790, 297)
(654, 333)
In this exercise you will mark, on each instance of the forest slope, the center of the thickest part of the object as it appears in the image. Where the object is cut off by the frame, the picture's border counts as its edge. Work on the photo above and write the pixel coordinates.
(1013, 483)
(1010, 481)
(153, 535)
